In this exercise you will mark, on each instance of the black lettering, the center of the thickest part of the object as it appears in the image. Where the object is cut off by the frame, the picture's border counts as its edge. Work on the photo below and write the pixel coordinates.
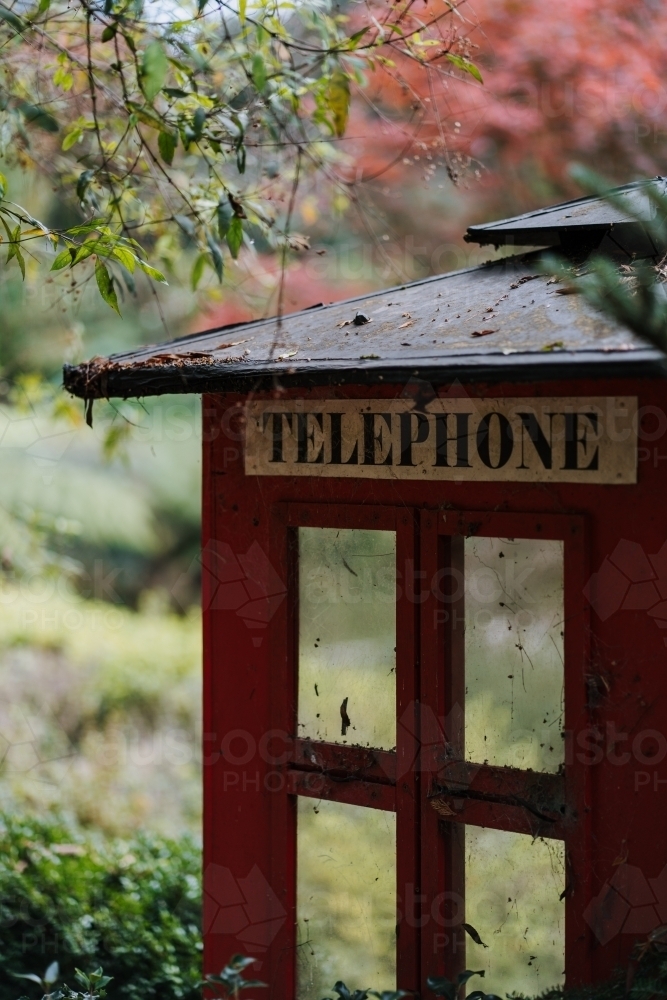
(407, 440)
(277, 433)
(484, 442)
(373, 434)
(337, 443)
(442, 439)
(576, 435)
(543, 447)
(305, 436)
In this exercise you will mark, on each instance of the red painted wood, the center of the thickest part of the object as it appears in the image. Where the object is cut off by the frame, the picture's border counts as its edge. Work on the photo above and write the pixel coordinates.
(408, 776)
(614, 773)
(354, 792)
(576, 831)
(343, 761)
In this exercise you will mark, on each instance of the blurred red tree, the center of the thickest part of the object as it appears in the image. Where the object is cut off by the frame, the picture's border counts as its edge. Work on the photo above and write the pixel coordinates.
(429, 149)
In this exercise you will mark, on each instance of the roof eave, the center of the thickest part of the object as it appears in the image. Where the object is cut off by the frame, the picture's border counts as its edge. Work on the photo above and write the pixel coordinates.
(128, 381)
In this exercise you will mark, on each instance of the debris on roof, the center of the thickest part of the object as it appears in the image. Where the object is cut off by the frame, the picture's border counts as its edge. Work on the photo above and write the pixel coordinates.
(501, 320)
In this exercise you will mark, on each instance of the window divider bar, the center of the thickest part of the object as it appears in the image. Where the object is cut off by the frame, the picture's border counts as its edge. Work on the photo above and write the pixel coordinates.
(342, 762)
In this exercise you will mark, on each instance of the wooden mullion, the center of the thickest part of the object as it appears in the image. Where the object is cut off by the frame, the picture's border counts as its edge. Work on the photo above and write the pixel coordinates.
(283, 638)
(408, 843)
(342, 761)
(453, 667)
(579, 939)
(434, 853)
(370, 794)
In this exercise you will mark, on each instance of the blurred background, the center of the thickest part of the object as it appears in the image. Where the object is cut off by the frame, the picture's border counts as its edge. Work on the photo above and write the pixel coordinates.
(99, 622)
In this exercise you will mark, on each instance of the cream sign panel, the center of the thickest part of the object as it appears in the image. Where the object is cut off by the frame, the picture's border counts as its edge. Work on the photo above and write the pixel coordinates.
(566, 440)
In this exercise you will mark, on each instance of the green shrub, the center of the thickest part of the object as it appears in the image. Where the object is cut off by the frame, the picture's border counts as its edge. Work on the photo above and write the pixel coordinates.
(132, 906)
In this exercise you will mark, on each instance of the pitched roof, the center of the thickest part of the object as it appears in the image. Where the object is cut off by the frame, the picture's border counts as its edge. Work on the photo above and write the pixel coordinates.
(582, 219)
(500, 321)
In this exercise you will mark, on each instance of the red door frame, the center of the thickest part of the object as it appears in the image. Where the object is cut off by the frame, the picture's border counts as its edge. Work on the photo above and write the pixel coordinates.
(373, 785)
(442, 534)
(429, 673)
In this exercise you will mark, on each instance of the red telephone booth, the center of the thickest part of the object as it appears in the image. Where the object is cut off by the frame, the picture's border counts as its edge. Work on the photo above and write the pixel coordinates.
(435, 595)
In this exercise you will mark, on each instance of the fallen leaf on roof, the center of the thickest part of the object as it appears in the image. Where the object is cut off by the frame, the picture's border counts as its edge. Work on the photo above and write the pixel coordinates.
(522, 281)
(566, 291)
(404, 343)
(403, 325)
(363, 357)
(287, 354)
(223, 347)
(482, 333)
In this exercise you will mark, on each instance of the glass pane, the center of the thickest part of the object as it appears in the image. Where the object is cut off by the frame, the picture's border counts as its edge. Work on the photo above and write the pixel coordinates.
(346, 897)
(347, 636)
(513, 888)
(514, 652)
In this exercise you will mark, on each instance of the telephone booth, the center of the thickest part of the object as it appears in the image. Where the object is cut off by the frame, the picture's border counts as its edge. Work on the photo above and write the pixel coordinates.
(434, 564)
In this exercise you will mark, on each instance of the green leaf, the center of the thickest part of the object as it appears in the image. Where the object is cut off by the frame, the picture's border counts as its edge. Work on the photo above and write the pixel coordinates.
(19, 258)
(63, 259)
(152, 272)
(85, 251)
(465, 65)
(197, 271)
(240, 158)
(14, 249)
(154, 68)
(242, 9)
(235, 236)
(198, 122)
(148, 116)
(39, 117)
(124, 257)
(3, 186)
(353, 39)
(338, 100)
(87, 227)
(109, 32)
(225, 214)
(187, 225)
(175, 92)
(258, 72)
(167, 142)
(72, 138)
(11, 18)
(83, 183)
(216, 256)
(107, 290)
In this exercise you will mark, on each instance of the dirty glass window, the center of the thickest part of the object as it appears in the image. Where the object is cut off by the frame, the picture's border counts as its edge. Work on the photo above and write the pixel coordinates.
(513, 886)
(347, 636)
(514, 652)
(346, 897)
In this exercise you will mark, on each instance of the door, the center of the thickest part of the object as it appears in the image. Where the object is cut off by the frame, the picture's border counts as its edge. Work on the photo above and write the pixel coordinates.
(429, 670)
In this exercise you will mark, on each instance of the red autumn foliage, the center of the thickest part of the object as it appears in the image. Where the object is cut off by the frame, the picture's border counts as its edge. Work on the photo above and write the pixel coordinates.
(577, 81)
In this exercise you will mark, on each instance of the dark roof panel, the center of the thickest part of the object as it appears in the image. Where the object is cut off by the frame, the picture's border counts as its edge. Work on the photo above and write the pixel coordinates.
(547, 226)
(501, 320)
